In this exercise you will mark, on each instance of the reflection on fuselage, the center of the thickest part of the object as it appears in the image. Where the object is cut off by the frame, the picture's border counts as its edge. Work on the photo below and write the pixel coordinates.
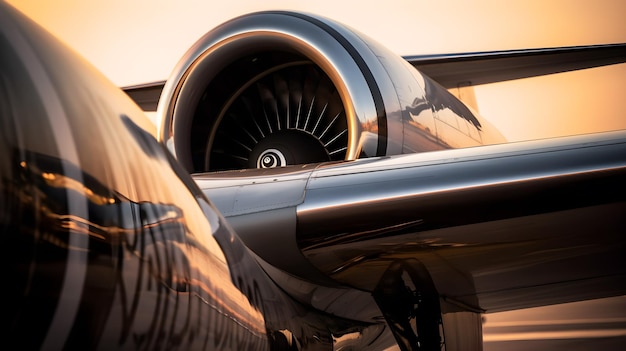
(109, 243)
(145, 276)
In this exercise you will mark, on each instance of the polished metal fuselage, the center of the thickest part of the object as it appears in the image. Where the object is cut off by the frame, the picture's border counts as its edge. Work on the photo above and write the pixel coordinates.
(107, 242)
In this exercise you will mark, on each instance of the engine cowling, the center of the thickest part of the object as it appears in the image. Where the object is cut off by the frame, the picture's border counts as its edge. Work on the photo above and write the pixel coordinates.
(277, 88)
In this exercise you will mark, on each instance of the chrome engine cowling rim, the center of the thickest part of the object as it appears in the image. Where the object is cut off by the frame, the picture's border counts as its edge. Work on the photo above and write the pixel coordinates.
(348, 61)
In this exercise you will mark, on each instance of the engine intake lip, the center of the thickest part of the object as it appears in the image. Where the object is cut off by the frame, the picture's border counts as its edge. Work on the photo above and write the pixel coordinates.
(327, 45)
(294, 105)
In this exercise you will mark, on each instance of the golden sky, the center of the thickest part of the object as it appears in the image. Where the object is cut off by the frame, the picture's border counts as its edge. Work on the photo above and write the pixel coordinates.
(140, 41)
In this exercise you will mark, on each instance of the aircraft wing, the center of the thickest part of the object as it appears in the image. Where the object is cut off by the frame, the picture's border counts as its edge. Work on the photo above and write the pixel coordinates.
(498, 227)
(481, 230)
(475, 68)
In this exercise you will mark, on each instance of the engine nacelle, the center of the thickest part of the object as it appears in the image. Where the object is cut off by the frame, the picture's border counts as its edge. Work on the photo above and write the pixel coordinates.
(276, 88)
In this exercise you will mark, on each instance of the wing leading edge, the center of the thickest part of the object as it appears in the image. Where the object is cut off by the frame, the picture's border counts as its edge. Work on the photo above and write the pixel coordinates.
(451, 70)
(453, 233)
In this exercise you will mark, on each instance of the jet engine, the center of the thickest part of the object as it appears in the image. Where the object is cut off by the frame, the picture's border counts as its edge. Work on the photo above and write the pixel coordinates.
(277, 88)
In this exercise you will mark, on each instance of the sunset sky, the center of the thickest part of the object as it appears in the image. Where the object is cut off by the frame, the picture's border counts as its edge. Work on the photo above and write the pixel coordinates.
(135, 42)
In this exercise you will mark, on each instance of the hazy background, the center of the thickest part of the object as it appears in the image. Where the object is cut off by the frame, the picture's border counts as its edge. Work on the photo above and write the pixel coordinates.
(140, 41)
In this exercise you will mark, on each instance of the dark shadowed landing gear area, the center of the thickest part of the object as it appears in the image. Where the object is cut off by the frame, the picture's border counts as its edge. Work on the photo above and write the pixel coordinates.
(407, 297)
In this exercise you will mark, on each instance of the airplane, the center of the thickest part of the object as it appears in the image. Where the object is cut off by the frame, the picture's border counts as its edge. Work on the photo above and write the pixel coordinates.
(356, 204)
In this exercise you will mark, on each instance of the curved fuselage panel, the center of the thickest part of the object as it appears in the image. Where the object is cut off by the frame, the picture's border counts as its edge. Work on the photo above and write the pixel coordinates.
(108, 242)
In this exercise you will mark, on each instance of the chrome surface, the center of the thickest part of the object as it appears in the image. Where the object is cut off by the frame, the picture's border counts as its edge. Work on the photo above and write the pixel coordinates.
(267, 73)
(98, 253)
(495, 225)
(245, 36)
(499, 227)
